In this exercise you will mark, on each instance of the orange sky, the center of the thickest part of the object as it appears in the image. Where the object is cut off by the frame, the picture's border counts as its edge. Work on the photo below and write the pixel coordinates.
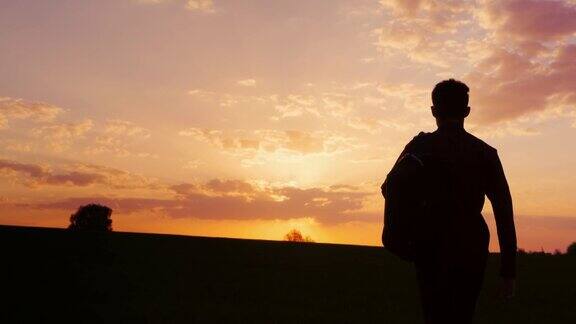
(250, 118)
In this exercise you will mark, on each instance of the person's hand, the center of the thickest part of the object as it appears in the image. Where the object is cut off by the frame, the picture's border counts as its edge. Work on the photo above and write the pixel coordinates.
(506, 288)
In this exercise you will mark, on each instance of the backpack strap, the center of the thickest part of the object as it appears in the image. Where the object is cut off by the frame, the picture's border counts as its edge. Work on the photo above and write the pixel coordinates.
(414, 146)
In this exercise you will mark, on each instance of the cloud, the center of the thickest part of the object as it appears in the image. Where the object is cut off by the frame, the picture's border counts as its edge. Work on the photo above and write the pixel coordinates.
(438, 15)
(113, 137)
(80, 175)
(16, 146)
(527, 68)
(61, 136)
(205, 6)
(296, 105)
(125, 128)
(528, 20)
(516, 54)
(192, 165)
(11, 108)
(370, 125)
(424, 31)
(230, 187)
(268, 140)
(356, 105)
(237, 199)
(418, 46)
(35, 175)
(247, 82)
(201, 93)
(341, 102)
(118, 137)
(303, 142)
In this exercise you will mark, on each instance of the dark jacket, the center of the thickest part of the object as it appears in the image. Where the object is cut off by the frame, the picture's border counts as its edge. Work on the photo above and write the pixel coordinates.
(475, 172)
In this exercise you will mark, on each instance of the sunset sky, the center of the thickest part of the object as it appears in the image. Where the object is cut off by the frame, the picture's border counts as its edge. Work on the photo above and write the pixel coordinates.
(249, 118)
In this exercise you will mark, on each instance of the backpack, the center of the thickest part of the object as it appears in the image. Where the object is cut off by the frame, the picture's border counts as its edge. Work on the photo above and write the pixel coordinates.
(406, 206)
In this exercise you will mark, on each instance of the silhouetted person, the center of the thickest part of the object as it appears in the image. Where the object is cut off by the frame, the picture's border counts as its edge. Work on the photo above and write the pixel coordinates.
(451, 259)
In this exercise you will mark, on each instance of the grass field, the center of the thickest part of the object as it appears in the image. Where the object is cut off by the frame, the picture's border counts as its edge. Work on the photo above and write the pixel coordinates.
(54, 275)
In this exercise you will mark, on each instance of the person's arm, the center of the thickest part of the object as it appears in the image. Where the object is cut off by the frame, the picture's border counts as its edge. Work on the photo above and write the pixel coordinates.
(499, 194)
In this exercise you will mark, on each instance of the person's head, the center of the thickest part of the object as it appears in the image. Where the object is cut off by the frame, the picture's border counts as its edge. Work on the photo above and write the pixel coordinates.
(450, 101)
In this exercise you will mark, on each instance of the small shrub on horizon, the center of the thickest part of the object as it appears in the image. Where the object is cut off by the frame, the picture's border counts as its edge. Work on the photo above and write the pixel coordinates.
(295, 236)
(522, 252)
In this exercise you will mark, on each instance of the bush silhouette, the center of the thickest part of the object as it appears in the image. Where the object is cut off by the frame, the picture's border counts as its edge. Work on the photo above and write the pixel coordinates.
(571, 250)
(295, 236)
(92, 217)
(522, 252)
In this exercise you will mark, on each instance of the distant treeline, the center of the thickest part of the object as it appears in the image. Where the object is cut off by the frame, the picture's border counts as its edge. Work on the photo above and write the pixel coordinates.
(571, 250)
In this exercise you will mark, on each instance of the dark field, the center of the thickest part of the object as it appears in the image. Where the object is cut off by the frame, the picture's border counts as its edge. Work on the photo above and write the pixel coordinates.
(53, 275)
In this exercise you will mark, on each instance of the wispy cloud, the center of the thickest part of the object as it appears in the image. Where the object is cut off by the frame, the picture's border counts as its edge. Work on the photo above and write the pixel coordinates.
(11, 108)
(206, 6)
(424, 31)
(61, 136)
(268, 140)
(247, 82)
(118, 137)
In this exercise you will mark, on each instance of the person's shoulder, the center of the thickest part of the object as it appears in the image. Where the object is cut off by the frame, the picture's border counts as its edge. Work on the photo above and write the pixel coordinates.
(422, 136)
(421, 139)
(480, 144)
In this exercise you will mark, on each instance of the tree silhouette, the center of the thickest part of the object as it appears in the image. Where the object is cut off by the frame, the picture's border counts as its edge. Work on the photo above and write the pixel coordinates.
(295, 236)
(571, 250)
(92, 217)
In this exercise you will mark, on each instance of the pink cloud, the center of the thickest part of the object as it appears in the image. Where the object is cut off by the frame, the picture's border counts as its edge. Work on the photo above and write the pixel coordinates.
(529, 20)
(518, 53)
(236, 199)
(37, 175)
(529, 67)
(507, 85)
(80, 175)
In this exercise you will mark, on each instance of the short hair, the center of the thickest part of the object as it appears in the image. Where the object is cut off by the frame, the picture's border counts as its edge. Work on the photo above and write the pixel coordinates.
(450, 97)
